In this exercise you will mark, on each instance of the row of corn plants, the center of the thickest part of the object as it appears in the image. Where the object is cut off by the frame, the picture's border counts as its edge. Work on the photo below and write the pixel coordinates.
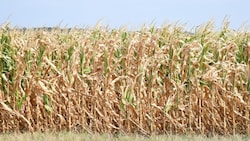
(151, 81)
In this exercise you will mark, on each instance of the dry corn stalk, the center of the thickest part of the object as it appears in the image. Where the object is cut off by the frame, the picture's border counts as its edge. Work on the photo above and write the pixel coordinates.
(157, 80)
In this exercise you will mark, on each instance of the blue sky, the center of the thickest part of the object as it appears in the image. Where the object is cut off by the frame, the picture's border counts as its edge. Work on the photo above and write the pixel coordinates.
(116, 13)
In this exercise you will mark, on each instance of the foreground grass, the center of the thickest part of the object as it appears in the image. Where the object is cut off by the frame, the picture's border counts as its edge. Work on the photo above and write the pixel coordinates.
(66, 136)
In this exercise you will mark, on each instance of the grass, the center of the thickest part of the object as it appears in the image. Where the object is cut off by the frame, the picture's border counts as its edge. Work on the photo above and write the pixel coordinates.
(151, 81)
(65, 136)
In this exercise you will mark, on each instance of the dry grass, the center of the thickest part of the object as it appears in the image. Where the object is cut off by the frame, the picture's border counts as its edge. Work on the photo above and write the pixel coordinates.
(66, 136)
(152, 81)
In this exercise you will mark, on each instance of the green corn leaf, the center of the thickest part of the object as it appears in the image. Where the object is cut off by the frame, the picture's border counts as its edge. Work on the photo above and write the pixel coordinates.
(124, 36)
(47, 103)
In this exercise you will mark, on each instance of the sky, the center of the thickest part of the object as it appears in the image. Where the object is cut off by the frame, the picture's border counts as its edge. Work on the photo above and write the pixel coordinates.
(117, 13)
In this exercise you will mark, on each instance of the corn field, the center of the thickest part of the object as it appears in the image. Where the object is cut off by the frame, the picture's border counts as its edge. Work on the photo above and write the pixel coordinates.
(151, 81)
